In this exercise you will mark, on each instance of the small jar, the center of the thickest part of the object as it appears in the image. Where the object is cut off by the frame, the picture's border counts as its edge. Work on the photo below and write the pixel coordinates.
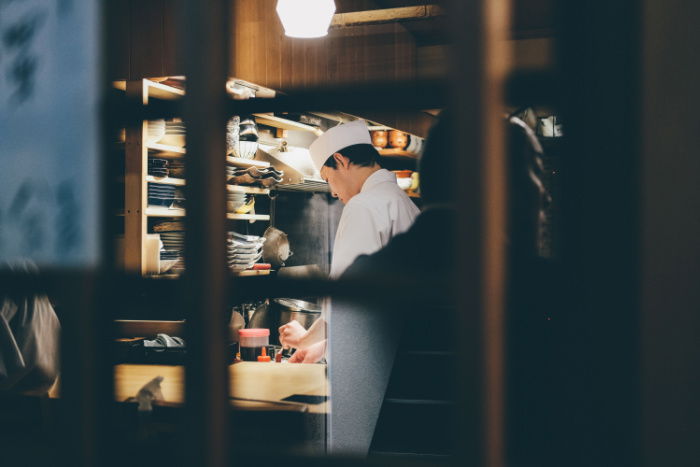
(379, 139)
(398, 139)
(252, 342)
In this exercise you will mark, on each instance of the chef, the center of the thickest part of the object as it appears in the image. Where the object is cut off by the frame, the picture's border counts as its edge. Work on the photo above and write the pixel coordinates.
(376, 210)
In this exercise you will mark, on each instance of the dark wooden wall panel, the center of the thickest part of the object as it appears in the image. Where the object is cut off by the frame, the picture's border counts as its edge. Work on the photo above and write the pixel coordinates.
(119, 31)
(264, 55)
(173, 41)
(147, 38)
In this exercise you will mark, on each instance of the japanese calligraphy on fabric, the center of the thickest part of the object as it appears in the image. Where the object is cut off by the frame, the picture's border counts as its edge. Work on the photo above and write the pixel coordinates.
(48, 132)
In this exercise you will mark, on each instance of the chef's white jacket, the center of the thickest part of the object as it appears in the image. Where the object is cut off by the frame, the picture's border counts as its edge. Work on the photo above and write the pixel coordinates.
(371, 218)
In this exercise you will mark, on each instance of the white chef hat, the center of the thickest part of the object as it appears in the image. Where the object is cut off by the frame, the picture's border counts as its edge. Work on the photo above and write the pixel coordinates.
(337, 138)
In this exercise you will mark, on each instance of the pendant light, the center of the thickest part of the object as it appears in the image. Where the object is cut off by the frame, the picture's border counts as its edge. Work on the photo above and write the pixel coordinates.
(306, 18)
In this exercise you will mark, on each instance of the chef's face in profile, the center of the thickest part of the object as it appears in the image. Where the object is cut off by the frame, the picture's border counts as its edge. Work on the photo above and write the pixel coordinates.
(339, 178)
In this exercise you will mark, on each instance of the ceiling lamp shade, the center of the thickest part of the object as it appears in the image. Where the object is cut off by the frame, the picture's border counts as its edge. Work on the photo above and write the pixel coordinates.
(306, 18)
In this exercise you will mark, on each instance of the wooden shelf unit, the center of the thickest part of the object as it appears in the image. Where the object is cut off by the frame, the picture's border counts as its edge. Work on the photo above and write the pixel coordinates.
(154, 89)
(240, 162)
(166, 151)
(251, 190)
(165, 180)
(251, 272)
(248, 217)
(393, 152)
(162, 211)
(136, 152)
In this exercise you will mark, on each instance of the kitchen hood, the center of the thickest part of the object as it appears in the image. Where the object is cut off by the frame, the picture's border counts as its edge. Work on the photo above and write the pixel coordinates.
(299, 171)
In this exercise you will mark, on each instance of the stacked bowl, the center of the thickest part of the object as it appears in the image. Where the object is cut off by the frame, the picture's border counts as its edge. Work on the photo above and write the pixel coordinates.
(156, 131)
(242, 137)
(235, 201)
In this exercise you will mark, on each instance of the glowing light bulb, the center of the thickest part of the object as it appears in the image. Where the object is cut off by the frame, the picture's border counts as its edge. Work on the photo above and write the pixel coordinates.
(306, 18)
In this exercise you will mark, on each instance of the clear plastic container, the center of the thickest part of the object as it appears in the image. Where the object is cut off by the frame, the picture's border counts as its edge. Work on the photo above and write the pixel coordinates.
(252, 341)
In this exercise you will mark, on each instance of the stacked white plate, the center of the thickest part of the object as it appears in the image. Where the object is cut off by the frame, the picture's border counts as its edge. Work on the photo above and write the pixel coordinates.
(173, 241)
(174, 134)
(171, 255)
(243, 251)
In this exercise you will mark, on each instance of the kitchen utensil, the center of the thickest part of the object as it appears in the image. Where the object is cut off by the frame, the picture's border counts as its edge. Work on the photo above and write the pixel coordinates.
(236, 323)
(276, 247)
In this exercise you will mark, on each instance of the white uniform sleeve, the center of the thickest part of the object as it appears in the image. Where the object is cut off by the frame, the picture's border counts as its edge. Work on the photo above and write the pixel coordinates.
(357, 235)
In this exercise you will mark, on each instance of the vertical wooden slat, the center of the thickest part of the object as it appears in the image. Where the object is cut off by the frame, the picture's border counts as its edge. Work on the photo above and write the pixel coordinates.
(670, 226)
(478, 31)
(599, 393)
(206, 65)
(135, 200)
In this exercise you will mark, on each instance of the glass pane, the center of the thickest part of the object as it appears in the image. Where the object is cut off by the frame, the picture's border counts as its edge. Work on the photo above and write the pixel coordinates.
(49, 194)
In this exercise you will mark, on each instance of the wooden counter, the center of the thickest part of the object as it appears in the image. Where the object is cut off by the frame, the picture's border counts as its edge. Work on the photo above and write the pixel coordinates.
(270, 382)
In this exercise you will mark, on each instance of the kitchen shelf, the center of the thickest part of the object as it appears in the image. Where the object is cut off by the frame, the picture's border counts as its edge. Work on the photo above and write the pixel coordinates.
(161, 211)
(397, 153)
(166, 180)
(166, 151)
(246, 273)
(284, 124)
(262, 272)
(136, 153)
(247, 189)
(230, 188)
(413, 195)
(239, 162)
(154, 89)
(248, 217)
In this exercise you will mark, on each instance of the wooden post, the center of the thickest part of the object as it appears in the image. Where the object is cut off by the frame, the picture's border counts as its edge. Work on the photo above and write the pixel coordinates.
(135, 200)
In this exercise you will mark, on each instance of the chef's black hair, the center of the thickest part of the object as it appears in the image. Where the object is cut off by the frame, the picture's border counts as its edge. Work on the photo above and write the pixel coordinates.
(363, 155)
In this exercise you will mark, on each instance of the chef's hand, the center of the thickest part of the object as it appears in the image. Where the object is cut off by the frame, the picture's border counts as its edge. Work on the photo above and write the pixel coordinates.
(292, 335)
(311, 354)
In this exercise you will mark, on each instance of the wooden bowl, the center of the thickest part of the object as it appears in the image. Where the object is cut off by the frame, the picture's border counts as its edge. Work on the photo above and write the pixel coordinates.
(379, 138)
(398, 139)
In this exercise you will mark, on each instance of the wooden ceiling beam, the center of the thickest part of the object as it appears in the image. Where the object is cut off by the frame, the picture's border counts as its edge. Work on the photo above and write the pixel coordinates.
(387, 15)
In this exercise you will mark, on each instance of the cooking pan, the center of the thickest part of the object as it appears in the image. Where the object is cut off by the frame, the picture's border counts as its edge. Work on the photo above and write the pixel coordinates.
(276, 247)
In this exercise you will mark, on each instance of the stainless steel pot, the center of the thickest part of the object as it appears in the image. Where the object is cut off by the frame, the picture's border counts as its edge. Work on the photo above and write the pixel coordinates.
(276, 247)
(281, 311)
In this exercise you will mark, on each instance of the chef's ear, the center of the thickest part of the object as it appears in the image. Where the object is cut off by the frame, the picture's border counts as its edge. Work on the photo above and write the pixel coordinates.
(341, 160)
